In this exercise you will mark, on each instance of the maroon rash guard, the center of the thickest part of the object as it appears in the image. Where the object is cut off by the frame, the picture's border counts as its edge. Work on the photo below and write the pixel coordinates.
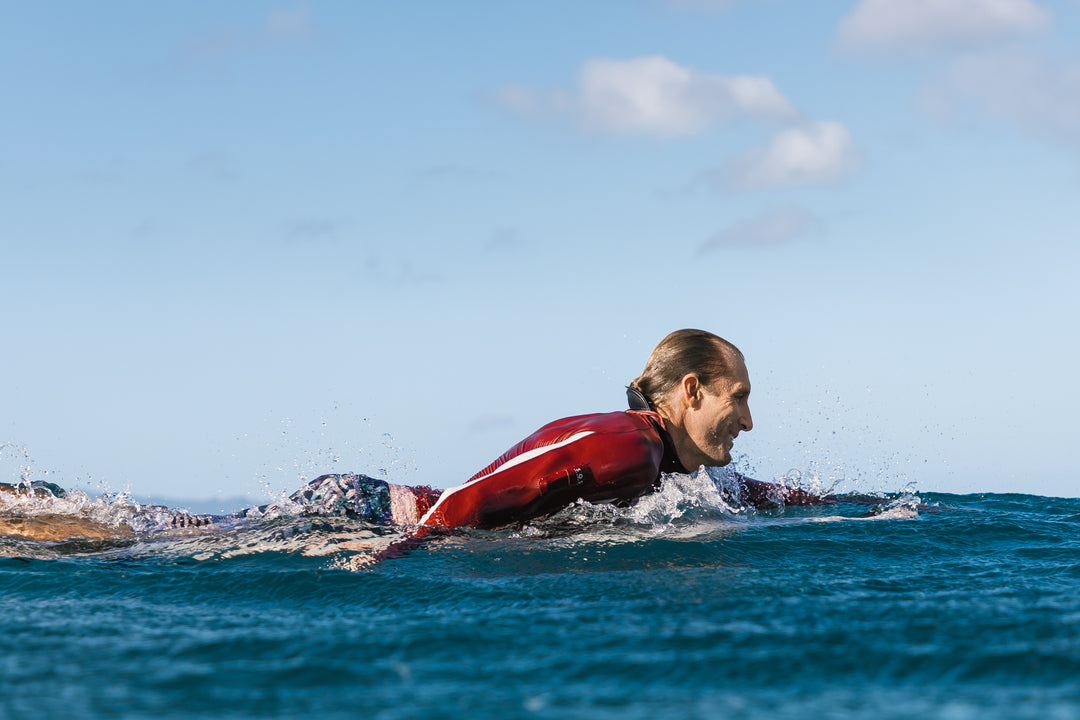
(602, 458)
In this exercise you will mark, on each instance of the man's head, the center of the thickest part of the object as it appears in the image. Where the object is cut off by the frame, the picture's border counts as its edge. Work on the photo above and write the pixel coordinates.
(698, 383)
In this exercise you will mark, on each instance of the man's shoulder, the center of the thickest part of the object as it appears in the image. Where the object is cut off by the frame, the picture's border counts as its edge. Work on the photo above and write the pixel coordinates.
(608, 422)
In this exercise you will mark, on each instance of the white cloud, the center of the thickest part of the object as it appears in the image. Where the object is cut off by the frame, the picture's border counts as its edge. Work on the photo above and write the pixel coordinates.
(811, 154)
(653, 96)
(279, 28)
(504, 239)
(213, 164)
(1040, 95)
(311, 229)
(903, 26)
(288, 26)
(774, 226)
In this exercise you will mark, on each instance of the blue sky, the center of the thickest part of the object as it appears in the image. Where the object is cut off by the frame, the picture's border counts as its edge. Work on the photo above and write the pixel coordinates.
(244, 244)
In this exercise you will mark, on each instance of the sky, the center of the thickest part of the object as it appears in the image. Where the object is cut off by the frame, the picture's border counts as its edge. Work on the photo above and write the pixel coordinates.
(243, 244)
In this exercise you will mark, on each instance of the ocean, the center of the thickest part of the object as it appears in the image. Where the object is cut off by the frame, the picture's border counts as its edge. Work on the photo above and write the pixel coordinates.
(899, 605)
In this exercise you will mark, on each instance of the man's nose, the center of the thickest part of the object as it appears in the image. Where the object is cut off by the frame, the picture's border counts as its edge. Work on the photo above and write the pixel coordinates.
(746, 421)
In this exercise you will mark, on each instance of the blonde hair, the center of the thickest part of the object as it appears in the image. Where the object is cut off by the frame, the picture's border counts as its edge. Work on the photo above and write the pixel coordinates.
(682, 353)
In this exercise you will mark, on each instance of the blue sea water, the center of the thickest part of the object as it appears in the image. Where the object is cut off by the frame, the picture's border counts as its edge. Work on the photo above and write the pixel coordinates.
(901, 606)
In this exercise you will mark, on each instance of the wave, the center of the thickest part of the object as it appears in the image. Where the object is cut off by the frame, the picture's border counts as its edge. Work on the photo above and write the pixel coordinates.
(699, 506)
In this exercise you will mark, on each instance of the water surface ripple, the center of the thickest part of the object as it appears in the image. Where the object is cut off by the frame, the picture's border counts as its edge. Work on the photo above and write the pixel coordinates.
(935, 606)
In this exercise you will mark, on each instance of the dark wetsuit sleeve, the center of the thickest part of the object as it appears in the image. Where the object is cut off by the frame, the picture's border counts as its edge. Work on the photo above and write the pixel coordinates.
(763, 494)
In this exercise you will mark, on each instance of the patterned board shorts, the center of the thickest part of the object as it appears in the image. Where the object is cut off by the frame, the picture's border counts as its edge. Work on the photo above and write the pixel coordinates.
(347, 494)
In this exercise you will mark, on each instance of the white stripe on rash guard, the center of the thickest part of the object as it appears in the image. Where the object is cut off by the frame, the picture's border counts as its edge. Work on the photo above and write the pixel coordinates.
(523, 457)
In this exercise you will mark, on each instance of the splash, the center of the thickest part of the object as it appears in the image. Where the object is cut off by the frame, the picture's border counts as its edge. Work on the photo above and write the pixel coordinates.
(43, 525)
(684, 507)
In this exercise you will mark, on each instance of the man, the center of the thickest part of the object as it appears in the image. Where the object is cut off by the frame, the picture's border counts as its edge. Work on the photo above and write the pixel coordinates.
(686, 410)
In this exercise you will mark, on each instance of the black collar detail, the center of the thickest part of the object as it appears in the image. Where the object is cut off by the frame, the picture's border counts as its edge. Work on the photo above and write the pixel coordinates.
(670, 462)
(636, 399)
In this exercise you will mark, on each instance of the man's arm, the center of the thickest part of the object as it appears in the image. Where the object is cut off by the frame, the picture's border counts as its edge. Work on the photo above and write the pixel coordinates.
(763, 494)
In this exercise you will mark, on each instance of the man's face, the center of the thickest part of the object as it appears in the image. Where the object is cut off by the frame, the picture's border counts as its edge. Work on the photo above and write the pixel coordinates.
(721, 414)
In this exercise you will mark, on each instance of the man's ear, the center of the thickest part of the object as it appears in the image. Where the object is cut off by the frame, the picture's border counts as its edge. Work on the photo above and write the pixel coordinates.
(691, 390)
